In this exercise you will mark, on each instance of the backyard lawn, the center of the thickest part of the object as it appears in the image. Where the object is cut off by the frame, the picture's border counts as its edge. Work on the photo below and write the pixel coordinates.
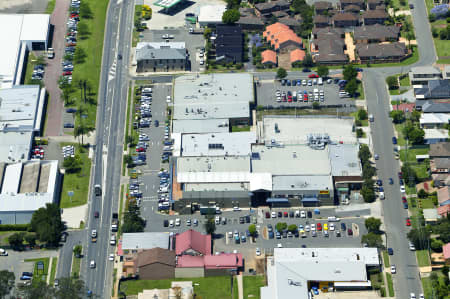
(421, 168)
(77, 182)
(405, 81)
(252, 285)
(216, 287)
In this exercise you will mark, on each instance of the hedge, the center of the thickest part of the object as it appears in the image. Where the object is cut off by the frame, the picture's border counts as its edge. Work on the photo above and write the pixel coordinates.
(14, 227)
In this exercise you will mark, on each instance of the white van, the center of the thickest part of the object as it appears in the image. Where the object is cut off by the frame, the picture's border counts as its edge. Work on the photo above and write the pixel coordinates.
(294, 95)
(371, 119)
(333, 219)
(320, 81)
(316, 91)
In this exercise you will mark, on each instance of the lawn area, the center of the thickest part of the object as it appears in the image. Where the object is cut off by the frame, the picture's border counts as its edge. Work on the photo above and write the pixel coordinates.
(137, 14)
(360, 91)
(429, 4)
(387, 263)
(442, 47)
(423, 259)
(252, 285)
(53, 272)
(89, 70)
(77, 182)
(390, 285)
(39, 274)
(398, 4)
(216, 287)
(50, 6)
(427, 203)
(400, 139)
(405, 81)
(421, 168)
(240, 129)
(76, 265)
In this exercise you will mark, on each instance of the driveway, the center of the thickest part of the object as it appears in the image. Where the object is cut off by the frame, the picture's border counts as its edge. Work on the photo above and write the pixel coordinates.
(54, 69)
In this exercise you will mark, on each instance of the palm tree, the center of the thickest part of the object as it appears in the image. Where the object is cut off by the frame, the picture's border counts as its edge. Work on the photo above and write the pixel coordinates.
(80, 130)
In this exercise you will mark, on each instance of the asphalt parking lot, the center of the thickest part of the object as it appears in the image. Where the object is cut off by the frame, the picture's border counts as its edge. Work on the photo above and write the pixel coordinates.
(266, 93)
(194, 42)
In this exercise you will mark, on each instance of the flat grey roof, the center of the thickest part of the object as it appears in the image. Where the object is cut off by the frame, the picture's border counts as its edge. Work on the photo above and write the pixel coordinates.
(146, 240)
(213, 164)
(291, 160)
(217, 187)
(295, 130)
(207, 96)
(15, 146)
(217, 144)
(30, 176)
(302, 182)
(200, 125)
(344, 160)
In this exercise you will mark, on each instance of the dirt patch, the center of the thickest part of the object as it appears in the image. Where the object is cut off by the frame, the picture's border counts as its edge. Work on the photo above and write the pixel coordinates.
(427, 186)
(284, 61)
(350, 46)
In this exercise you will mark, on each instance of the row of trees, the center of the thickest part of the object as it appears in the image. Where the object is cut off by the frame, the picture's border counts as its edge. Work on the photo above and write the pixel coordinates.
(373, 236)
(367, 190)
(132, 220)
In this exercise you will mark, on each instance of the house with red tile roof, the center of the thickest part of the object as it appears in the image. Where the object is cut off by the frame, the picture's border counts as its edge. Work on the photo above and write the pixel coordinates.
(269, 57)
(194, 258)
(281, 37)
(297, 55)
(446, 253)
(443, 211)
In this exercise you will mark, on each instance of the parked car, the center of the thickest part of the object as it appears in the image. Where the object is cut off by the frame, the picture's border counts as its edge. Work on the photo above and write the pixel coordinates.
(313, 76)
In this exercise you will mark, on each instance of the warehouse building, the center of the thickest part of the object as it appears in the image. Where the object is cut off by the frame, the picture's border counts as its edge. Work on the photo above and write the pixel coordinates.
(26, 187)
(19, 34)
(293, 272)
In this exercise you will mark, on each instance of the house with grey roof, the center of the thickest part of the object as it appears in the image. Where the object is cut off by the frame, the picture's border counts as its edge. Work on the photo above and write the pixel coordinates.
(379, 53)
(376, 34)
(446, 72)
(373, 4)
(377, 16)
(433, 107)
(330, 50)
(421, 75)
(322, 7)
(345, 3)
(345, 19)
(160, 57)
(436, 89)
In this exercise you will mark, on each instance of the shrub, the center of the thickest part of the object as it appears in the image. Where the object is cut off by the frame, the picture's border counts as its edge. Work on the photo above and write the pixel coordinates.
(14, 227)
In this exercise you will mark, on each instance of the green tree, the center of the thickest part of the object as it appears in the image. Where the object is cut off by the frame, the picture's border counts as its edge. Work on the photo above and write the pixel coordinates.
(6, 282)
(83, 30)
(70, 288)
(308, 61)
(392, 82)
(85, 10)
(415, 116)
(409, 175)
(432, 17)
(128, 160)
(368, 193)
(351, 87)
(361, 114)
(419, 237)
(30, 239)
(397, 116)
(73, 164)
(210, 225)
(364, 153)
(280, 226)
(47, 224)
(38, 289)
(77, 250)
(349, 72)
(372, 240)
(359, 133)
(443, 229)
(80, 55)
(322, 71)
(207, 33)
(368, 171)
(132, 220)
(16, 240)
(373, 225)
(292, 228)
(316, 105)
(436, 245)
(81, 129)
(281, 73)
(422, 193)
(252, 230)
(231, 16)
(413, 133)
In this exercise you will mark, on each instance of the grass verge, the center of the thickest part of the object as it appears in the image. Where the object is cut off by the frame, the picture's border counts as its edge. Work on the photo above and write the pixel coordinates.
(50, 6)
(405, 81)
(76, 266)
(77, 182)
(410, 60)
(216, 287)
(53, 272)
(40, 274)
(252, 285)
(137, 13)
(387, 263)
(423, 259)
(390, 285)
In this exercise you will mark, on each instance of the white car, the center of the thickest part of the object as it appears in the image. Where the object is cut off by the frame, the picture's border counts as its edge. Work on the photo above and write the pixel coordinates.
(230, 235)
(331, 227)
(171, 223)
(412, 296)
(177, 222)
(258, 252)
(412, 247)
(307, 228)
(111, 257)
(279, 245)
(274, 215)
(236, 209)
(393, 269)
(421, 296)
(92, 264)
(402, 189)
(313, 227)
(202, 62)
(302, 214)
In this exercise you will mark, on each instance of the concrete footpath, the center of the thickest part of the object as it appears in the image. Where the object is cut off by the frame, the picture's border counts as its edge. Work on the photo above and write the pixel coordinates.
(240, 283)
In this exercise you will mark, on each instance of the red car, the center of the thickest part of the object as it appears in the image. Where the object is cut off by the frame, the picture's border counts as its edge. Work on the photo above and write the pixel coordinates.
(140, 149)
(286, 214)
(67, 73)
(267, 215)
(71, 44)
(289, 99)
(313, 76)
(74, 15)
(350, 232)
(319, 226)
(400, 175)
(408, 222)
(404, 199)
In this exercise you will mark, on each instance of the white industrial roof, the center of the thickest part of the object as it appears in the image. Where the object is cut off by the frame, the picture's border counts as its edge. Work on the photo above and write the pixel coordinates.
(146, 240)
(214, 125)
(211, 14)
(302, 182)
(344, 160)
(213, 164)
(14, 29)
(15, 146)
(11, 179)
(217, 144)
(295, 130)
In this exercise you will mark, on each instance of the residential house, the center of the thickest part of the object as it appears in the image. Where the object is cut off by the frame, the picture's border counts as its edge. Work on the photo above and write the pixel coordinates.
(229, 44)
(443, 211)
(152, 264)
(267, 8)
(446, 252)
(440, 165)
(439, 150)
(352, 9)
(405, 107)
(250, 23)
(280, 14)
(377, 16)
(330, 51)
(443, 196)
(441, 179)
(281, 37)
(322, 7)
(373, 4)
(446, 72)
(135, 242)
(247, 11)
(360, 3)
(178, 290)
(436, 89)
(321, 21)
(269, 58)
(433, 106)
(435, 136)
(434, 120)
(160, 56)
(345, 19)
(297, 55)
(378, 53)
(376, 34)
(293, 22)
(194, 258)
(328, 32)
(421, 75)
(430, 215)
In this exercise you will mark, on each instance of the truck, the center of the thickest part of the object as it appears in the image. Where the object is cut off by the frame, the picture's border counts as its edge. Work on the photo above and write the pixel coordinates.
(50, 53)
(195, 30)
(94, 236)
(115, 222)
(98, 190)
